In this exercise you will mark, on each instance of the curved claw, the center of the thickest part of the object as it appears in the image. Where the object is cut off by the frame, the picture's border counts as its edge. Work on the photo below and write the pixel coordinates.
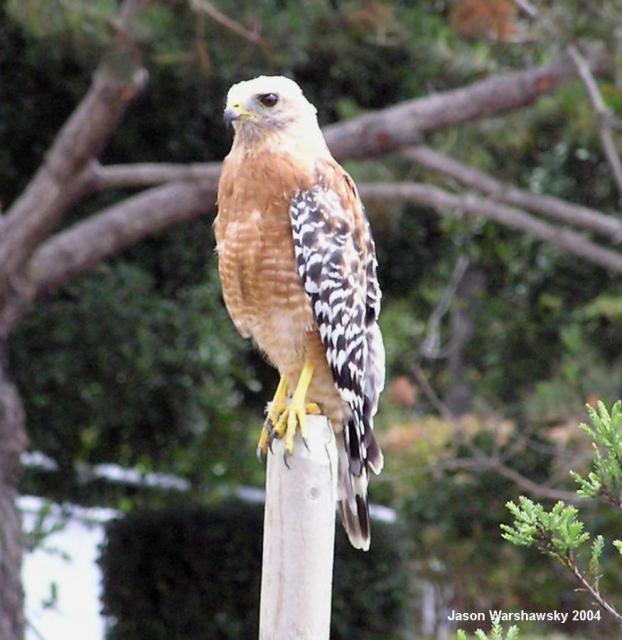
(263, 440)
(272, 436)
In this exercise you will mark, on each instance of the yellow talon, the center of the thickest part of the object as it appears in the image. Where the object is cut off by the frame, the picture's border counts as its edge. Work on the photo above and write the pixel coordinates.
(275, 411)
(295, 415)
(313, 409)
(262, 445)
(277, 406)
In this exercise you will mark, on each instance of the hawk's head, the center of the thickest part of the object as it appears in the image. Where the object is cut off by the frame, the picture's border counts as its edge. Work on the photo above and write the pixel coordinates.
(267, 103)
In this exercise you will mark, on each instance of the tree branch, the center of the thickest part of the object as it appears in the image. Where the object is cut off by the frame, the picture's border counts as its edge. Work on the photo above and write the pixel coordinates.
(594, 591)
(86, 244)
(70, 171)
(523, 483)
(388, 129)
(62, 179)
(207, 8)
(404, 124)
(591, 219)
(445, 202)
(147, 174)
(526, 7)
(603, 115)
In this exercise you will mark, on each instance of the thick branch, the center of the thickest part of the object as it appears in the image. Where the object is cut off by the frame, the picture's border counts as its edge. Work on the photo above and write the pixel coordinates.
(405, 123)
(63, 177)
(51, 192)
(591, 219)
(445, 202)
(147, 174)
(86, 244)
(388, 129)
(603, 115)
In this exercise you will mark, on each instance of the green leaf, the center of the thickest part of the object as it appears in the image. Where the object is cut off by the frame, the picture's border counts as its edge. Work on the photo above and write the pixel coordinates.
(605, 479)
(598, 545)
(496, 633)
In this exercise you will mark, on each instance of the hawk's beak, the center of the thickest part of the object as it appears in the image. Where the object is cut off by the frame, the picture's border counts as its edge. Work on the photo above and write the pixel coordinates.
(231, 114)
(236, 111)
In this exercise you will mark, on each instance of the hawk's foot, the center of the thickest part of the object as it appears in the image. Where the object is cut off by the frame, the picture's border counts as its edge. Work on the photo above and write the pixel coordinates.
(294, 416)
(278, 404)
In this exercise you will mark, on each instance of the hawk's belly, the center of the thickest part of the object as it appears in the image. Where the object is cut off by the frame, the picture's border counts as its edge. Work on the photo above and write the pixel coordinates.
(266, 300)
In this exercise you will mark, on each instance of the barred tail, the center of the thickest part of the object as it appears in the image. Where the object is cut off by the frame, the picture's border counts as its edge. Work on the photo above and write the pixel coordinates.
(358, 450)
(352, 497)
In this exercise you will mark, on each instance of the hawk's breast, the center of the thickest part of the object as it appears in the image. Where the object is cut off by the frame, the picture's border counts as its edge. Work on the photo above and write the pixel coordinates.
(261, 285)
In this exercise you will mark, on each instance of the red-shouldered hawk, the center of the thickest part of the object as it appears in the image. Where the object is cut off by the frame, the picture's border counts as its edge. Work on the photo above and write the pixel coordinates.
(298, 269)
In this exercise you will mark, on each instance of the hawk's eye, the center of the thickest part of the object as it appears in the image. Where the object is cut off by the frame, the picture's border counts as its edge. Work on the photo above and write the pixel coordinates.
(268, 99)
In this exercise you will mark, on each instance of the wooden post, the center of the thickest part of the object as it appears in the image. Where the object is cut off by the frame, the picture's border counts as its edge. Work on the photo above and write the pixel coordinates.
(299, 536)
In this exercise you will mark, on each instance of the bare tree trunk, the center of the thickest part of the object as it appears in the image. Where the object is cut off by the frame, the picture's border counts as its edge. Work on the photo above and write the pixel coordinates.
(12, 443)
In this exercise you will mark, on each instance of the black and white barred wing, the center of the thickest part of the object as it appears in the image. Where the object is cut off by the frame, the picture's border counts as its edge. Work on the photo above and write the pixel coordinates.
(337, 265)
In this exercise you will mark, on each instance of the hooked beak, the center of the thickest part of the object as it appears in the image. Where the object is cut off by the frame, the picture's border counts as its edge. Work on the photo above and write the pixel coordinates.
(230, 115)
(235, 112)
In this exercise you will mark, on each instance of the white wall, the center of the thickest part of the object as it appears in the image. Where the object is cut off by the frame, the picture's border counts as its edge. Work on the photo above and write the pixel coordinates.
(76, 615)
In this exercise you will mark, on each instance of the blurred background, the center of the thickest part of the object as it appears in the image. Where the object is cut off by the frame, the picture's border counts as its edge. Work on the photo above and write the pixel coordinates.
(144, 405)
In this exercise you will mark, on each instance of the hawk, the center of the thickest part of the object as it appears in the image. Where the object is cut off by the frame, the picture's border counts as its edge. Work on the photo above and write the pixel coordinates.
(298, 268)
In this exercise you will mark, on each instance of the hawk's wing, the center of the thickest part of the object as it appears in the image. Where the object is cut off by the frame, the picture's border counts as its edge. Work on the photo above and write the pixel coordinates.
(336, 261)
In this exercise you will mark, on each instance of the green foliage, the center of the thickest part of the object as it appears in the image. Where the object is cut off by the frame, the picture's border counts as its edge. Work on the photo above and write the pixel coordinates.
(59, 17)
(580, 374)
(606, 435)
(191, 572)
(453, 519)
(594, 568)
(143, 376)
(557, 532)
(496, 633)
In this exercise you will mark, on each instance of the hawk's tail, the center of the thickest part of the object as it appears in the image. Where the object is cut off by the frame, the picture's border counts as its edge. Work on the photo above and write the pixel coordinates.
(352, 495)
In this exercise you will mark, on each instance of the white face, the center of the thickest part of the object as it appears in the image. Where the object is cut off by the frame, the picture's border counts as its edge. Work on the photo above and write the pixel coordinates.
(267, 103)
